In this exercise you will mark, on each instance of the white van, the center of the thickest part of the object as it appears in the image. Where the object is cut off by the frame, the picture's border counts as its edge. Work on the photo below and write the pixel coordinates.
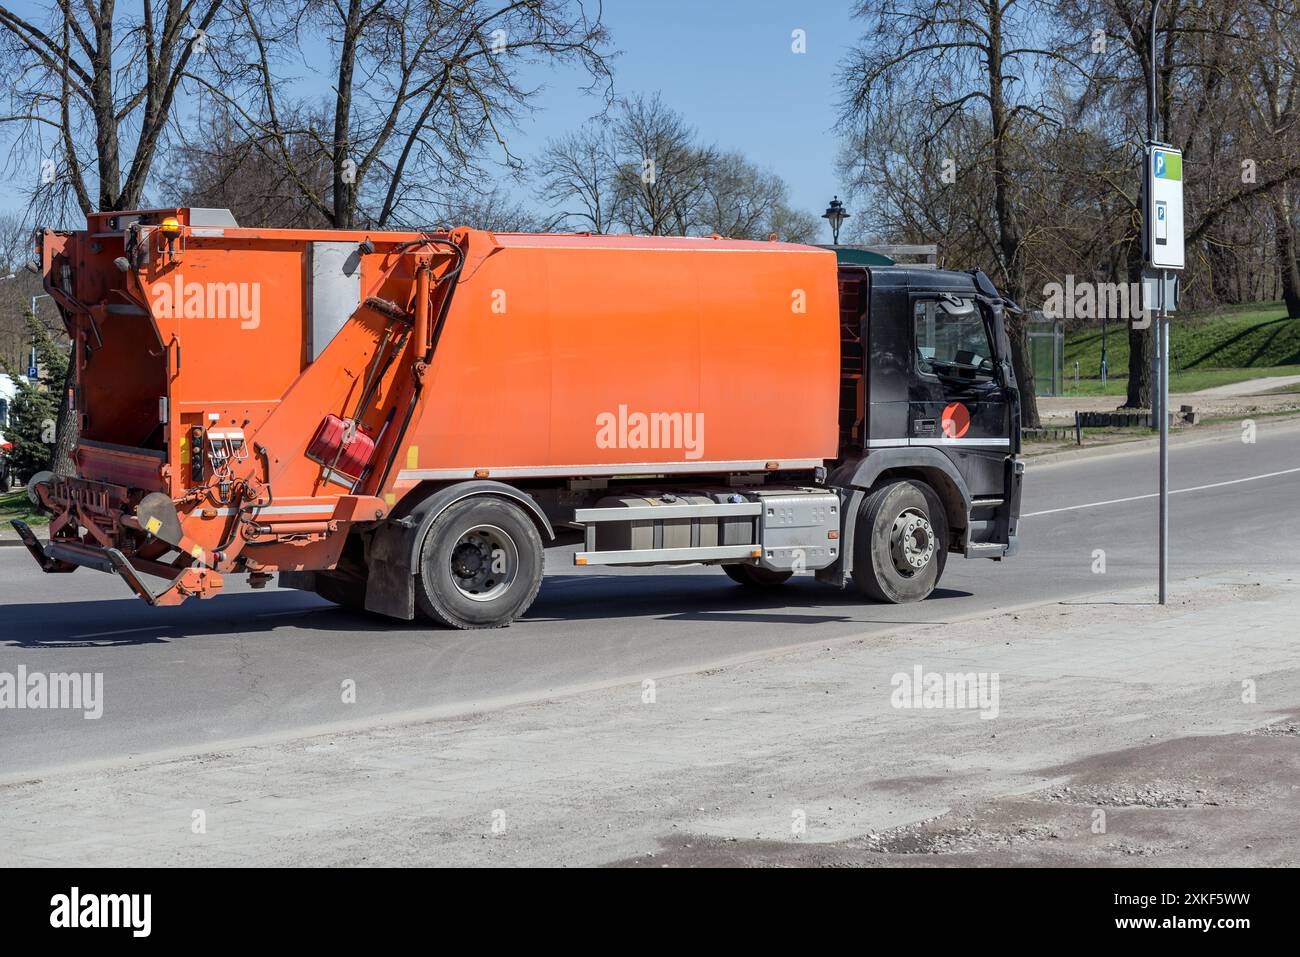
(7, 393)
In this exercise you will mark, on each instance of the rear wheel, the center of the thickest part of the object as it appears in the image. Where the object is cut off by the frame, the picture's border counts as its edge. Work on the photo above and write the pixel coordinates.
(899, 544)
(752, 576)
(480, 565)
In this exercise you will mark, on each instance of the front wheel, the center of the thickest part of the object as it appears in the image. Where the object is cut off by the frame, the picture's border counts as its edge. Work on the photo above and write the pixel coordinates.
(900, 544)
(480, 565)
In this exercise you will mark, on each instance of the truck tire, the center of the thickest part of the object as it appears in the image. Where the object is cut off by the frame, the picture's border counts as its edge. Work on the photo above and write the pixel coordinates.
(751, 576)
(480, 565)
(899, 544)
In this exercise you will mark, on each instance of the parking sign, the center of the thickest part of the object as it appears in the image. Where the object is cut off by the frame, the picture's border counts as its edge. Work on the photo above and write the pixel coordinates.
(1163, 217)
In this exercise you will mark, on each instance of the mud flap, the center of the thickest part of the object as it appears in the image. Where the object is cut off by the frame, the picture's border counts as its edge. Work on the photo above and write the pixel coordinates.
(390, 584)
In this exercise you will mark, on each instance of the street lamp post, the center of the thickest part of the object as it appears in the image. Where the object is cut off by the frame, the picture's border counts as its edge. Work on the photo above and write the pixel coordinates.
(835, 214)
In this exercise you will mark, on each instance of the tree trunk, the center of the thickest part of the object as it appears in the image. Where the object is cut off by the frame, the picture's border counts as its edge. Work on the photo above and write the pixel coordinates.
(346, 173)
(1284, 227)
(1141, 344)
(105, 113)
(1141, 350)
(1009, 236)
(67, 428)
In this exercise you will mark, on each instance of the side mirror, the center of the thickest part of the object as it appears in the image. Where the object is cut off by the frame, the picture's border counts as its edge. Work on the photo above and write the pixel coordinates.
(985, 285)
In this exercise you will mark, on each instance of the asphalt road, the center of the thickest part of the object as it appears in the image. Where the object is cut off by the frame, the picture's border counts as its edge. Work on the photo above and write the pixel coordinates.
(251, 663)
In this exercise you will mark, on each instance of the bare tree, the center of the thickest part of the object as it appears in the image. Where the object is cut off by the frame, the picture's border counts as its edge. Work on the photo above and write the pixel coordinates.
(738, 199)
(227, 168)
(17, 286)
(649, 173)
(662, 170)
(423, 90)
(577, 173)
(742, 201)
(1226, 86)
(954, 60)
(1270, 93)
(91, 91)
(493, 210)
(16, 247)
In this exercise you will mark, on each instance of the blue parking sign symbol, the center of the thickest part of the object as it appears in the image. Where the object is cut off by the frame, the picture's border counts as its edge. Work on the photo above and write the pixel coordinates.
(32, 372)
(1160, 163)
(1160, 211)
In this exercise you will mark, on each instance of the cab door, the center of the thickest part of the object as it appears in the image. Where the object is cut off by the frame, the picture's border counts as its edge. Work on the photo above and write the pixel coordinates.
(957, 401)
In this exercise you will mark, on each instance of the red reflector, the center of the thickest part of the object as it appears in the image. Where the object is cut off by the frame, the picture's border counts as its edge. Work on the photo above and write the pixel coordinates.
(333, 448)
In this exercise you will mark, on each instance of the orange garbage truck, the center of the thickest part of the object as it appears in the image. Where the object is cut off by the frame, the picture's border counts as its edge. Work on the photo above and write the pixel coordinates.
(403, 422)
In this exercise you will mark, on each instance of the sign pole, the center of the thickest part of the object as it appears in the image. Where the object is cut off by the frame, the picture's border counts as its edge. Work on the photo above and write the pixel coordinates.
(1163, 241)
(1164, 440)
(1156, 352)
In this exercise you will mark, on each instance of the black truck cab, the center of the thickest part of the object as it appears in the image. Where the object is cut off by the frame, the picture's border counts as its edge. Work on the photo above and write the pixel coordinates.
(929, 395)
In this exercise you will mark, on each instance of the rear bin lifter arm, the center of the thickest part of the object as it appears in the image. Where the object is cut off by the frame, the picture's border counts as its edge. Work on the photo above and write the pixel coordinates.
(66, 556)
(34, 546)
(192, 581)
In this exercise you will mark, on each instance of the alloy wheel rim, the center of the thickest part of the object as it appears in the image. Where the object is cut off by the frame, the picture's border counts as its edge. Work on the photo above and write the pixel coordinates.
(484, 563)
(911, 542)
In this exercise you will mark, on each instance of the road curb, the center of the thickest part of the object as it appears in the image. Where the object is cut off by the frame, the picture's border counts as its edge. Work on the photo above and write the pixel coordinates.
(1203, 433)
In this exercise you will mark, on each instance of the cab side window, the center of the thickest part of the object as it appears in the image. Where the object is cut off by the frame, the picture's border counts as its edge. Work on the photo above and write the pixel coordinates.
(952, 342)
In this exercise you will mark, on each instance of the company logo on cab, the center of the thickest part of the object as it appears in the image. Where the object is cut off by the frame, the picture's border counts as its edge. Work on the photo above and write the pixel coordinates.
(955, 420)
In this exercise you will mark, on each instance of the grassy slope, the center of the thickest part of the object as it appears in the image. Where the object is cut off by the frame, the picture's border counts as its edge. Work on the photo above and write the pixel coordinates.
(17, 505)
(1233, 344)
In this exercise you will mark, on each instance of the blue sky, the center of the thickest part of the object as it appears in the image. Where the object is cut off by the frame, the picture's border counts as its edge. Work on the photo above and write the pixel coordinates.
(727, 66)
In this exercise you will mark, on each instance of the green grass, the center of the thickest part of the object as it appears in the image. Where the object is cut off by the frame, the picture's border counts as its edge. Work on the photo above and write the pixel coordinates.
(17, 505)
(1230, 345)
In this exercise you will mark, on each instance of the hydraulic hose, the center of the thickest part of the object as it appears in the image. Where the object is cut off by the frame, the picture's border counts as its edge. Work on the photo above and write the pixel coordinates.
(448, 279)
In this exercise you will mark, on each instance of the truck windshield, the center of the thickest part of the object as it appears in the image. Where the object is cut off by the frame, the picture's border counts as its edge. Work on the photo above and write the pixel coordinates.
(951, 341)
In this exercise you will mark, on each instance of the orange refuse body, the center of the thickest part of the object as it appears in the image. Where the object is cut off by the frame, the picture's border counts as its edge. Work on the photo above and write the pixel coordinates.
(211, 357)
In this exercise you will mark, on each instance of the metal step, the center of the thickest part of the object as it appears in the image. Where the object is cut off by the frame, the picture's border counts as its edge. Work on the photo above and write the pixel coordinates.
(668, 556)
